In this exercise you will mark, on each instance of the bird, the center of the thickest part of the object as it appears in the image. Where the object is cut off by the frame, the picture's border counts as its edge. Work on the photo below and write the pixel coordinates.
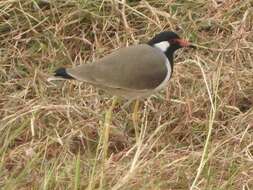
(132, 72)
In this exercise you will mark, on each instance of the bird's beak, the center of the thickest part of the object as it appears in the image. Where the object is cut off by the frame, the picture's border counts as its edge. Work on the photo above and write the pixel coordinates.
(185, 43)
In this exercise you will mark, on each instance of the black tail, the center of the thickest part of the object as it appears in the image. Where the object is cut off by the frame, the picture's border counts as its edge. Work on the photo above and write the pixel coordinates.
(61, 72)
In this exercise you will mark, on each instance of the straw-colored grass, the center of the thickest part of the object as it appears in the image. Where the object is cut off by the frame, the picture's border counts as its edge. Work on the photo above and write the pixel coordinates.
(197, 134)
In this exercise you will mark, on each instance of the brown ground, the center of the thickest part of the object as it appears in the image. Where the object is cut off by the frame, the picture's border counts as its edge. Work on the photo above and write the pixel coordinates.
(196, 135)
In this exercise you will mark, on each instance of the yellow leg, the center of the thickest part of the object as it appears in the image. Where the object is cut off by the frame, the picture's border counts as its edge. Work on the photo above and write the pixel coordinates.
(108, 120)
(104, 140)
(135, 118)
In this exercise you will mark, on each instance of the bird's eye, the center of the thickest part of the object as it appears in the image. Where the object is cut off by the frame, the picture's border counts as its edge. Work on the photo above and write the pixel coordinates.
(172, 41)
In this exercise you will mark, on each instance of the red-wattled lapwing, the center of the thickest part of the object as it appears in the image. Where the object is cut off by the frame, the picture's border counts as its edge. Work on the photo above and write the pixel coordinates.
(133, 72)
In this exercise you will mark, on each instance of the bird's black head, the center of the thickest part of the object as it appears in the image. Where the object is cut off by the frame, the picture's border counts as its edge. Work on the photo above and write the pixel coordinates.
(168, 42)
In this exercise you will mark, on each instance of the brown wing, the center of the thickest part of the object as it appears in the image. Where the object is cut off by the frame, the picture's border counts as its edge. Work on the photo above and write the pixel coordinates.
(136, 67)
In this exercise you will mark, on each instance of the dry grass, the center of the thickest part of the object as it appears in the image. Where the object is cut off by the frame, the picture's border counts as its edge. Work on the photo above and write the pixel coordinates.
(198, 134)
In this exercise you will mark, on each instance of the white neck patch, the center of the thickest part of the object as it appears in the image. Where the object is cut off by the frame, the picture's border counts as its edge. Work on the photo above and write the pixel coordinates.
(164, 45)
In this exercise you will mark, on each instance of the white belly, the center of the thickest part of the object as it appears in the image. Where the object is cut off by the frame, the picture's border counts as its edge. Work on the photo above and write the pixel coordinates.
(167, 78)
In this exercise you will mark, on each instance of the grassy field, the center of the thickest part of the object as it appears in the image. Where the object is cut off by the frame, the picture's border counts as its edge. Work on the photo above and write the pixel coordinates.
(197, 134)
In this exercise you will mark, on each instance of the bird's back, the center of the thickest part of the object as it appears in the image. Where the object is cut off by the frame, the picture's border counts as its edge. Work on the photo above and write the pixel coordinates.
(139, 67)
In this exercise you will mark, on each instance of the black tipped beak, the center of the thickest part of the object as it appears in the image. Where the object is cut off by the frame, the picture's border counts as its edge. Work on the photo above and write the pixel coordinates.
(192, 46)
(185, 43)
